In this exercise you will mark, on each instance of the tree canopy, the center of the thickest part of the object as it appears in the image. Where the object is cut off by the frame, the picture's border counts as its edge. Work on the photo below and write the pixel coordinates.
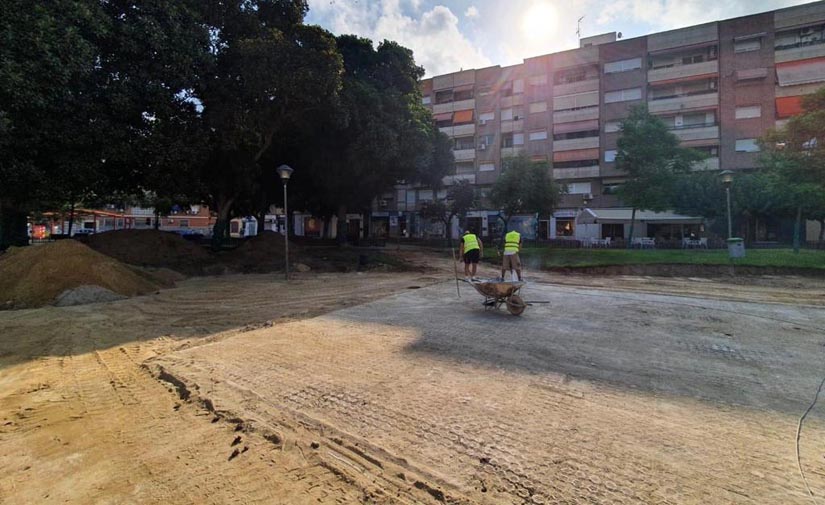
(652, 158)
(461, 197)
(524, 187)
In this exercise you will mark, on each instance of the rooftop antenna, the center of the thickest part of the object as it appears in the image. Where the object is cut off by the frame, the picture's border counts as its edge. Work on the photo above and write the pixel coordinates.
(579, 27)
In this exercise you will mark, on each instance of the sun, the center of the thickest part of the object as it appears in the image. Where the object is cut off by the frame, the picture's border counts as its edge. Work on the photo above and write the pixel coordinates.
(539, 21)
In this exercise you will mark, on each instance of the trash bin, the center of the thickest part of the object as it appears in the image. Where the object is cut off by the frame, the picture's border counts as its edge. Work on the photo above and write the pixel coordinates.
(736, 247)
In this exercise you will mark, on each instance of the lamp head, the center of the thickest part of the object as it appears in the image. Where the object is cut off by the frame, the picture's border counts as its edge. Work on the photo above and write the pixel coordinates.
(727, 177)
(284, 171)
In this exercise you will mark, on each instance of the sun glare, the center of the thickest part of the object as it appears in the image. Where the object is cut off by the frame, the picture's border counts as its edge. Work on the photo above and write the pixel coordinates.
(539, 21)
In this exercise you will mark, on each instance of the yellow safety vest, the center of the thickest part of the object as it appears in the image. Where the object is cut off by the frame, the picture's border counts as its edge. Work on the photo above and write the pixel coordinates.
(511, 241)
(470, 242)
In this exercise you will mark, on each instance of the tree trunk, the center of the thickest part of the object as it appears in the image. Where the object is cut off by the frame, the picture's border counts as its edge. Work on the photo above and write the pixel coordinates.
(822, 230)
(13, 231)
(797, 230)
(157, 219)
(632, 225)
(71, 220)
(221, 229)
(342, 225)
(448, 230)
(261, 221)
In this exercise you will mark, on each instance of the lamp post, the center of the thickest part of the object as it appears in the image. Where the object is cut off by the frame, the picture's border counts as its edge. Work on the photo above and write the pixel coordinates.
(285, 171)
(727, 179)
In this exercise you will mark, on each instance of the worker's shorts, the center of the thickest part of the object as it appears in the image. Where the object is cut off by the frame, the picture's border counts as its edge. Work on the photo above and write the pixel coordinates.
(471, 256)
(511, 262)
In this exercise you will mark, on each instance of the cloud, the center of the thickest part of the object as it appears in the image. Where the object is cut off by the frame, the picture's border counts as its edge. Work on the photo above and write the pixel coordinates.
(433, 35)
(471, 12)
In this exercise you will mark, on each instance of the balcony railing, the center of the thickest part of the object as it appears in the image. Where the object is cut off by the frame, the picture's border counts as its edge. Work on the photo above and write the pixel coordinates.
(683, 70)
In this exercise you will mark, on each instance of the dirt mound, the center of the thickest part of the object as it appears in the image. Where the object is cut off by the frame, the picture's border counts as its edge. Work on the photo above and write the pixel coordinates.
(152, 248)
(34, 276)
(86, 294)
(262, 253)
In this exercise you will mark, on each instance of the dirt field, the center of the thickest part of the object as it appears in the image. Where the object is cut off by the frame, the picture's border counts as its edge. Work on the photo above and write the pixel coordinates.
(384, 388)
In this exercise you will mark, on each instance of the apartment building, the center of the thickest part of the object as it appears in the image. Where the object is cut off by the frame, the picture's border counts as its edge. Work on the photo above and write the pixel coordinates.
(718, 86)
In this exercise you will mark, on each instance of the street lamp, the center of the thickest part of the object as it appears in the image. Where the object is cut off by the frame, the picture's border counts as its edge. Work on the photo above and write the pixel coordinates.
(284, 172)
(727, 180)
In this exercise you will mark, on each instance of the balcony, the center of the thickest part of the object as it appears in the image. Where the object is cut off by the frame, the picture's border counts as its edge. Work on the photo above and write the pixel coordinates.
(459, 131)
(464, 154)
(576, 173)
(800, 51)
(441, 108)
(703, 100)
(507, 152)
(509, 101)
(567, 116)
(512, 126)
(708, 164)
(576, 87)
(682, 71)
(452, 179)
(697, 132)
(570, 144)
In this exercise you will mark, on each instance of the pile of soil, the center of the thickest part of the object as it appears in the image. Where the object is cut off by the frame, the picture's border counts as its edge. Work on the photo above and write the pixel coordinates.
(36, 275)
(152, 248)
(261, 254)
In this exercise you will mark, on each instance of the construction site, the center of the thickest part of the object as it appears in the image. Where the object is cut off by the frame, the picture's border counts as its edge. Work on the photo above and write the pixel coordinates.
(165, 373)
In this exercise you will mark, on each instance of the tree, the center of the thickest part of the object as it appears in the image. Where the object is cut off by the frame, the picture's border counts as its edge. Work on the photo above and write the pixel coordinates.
(461, 197)
(524, 187)
(651, 157)
(795, 156)
(380, 133)
(267, 73)
(77, 124)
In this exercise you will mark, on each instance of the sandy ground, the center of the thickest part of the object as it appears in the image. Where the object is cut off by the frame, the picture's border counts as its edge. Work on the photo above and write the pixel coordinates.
(385, 388)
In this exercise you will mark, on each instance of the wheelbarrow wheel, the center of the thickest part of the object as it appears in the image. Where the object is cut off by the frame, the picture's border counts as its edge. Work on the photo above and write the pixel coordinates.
(515, 305)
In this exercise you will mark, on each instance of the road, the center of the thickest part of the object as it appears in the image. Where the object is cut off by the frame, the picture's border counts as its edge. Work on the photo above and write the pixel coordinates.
(385, 388)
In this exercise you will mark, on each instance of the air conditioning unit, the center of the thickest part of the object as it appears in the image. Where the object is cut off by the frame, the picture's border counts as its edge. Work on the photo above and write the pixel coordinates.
(587, 196)
(712, 84)
(482, 147)
(482, 122)
(516, 118)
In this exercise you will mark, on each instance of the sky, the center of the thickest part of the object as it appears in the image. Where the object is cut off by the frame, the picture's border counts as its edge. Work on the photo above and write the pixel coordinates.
(447, 36)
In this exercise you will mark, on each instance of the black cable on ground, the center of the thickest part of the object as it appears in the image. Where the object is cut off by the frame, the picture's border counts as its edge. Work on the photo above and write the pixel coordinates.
(798, 433)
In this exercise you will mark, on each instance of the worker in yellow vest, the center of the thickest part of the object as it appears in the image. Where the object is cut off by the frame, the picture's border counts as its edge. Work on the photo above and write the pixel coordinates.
(511, 261)
(471, 249)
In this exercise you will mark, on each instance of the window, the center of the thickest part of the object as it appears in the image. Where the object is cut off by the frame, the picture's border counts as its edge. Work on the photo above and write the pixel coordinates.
(576, 135)
(487, 116)
(184, 223)
(538, 135)
(612, 230)
(486, 167)
(485, 140)
(610, 156)
(622, 66)
(465, 94)
(148, 221)
(536, 107)
(444, 96)
(507, 140)
(747, 146)
(578, 188)
(426, 100)
(571, 76)
(575, 163)
(612, 126)
(577, 101)
(610, 189)
(506, 114)
(749, 111)
(710, 151)
(462, 168)
(623, 95)
(518, 139)
(565, 227)
(518, 86)
(465, 143)
(744, 46)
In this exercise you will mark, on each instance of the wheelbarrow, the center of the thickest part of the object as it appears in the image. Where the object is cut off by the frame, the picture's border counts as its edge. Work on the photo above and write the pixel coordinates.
(498, 293)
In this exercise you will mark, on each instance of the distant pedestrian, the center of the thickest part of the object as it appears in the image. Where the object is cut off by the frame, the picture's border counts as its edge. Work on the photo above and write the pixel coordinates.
(511, 260)
(471, 250)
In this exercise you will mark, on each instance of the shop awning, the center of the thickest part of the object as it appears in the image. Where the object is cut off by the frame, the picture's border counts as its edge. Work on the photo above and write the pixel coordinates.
(788, 106)
(463, 116)
(608, 216)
